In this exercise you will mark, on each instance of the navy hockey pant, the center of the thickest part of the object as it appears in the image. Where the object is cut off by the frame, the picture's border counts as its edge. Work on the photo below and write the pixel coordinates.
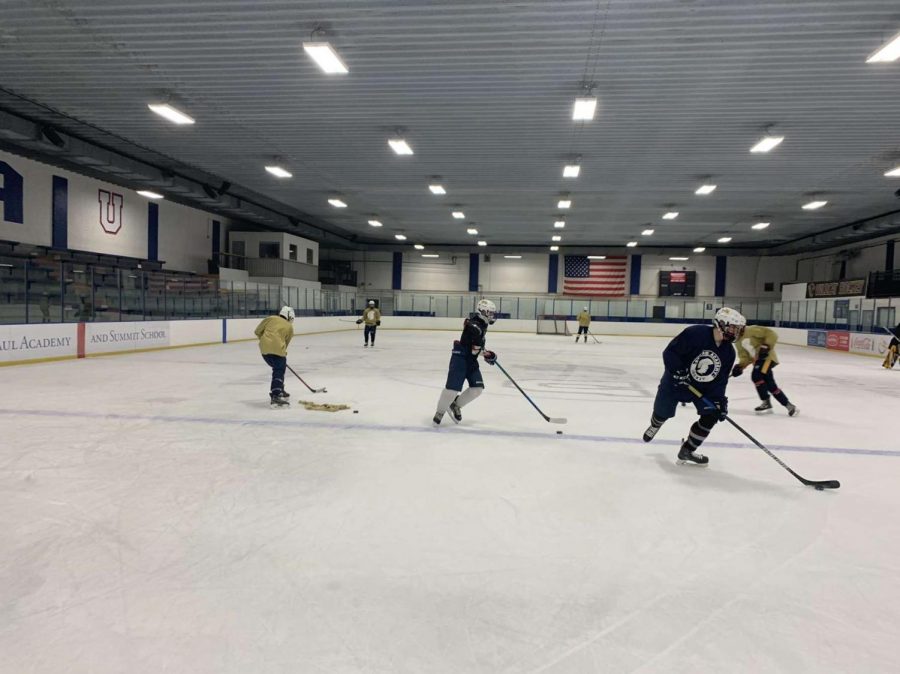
(582, 330)
(764, 379)
(463, 369)
(668, 395)
(370, 330)
(278, 365)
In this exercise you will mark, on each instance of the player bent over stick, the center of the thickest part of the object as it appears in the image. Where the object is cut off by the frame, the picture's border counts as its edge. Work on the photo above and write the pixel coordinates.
(464, 363)
(893, 352)
(701, 356)
(274, 334)
(764, 360)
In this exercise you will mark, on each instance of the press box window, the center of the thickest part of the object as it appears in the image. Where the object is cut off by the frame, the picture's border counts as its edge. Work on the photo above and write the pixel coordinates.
(292, 251)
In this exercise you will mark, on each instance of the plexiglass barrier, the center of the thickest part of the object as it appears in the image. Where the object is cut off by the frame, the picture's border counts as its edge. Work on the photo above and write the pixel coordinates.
(35, 291)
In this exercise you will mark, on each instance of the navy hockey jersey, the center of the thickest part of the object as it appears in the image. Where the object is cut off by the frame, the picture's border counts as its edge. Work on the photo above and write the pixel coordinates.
(709, 365)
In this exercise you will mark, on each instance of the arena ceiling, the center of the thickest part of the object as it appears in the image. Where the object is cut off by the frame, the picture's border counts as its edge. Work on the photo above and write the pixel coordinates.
(483, 92)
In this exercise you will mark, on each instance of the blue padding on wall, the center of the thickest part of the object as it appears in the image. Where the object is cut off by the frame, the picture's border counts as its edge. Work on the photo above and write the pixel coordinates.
(224, 331)
(473, 272)
(889, 256)
(60, 213)
(721, 266)
(635, 282)
(216, 237)
(397, 271)
(553, 274)
(153, 231)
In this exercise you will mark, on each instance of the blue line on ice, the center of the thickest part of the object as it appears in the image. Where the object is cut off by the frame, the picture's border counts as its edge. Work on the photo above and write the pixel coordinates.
(546, 435)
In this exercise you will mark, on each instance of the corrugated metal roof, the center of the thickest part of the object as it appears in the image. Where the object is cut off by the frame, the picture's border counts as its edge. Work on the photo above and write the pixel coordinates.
(484, 91)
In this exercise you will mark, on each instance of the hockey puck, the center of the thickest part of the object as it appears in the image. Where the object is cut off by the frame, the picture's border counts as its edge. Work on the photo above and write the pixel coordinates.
(820, 488)
(355, 411)
(559, 432)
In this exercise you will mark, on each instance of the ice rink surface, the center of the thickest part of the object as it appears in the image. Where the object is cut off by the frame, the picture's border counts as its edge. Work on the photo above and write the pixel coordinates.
(157, 516)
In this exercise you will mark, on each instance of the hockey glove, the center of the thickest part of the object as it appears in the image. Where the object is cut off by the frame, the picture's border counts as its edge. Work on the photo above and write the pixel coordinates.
(377, 323)
(681, 377)
(737, 371)
(718, 408)
(359, 321)
(490, 357)
(762, 355)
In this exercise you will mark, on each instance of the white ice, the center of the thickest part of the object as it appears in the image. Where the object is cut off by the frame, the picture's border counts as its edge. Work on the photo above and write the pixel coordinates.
(157, 516)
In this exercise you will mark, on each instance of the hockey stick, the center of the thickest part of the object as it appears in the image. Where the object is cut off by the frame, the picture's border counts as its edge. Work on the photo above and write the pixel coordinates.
(552, 420)
(593, 337)
(314, 390)
(818, 484)
(345, 320)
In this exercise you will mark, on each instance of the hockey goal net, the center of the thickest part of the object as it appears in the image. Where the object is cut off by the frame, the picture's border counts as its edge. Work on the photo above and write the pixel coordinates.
(548, 324)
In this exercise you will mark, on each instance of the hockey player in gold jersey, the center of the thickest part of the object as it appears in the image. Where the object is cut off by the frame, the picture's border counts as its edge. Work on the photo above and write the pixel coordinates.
(762, 341)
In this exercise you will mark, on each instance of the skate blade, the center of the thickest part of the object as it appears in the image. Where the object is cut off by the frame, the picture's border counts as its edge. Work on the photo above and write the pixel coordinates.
(761, 412)
(686, 462)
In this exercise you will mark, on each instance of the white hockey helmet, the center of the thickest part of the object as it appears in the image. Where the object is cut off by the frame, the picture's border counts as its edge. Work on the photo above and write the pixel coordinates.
(371, 303)
(287, 313)
(585, 309)
(731, 323)
(487, 310)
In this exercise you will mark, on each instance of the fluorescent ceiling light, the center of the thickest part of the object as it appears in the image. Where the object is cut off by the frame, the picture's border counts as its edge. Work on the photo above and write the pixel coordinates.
(560, 224)
(564, 203)
(556, 238)
(337, 203)
(706, 189)
(149, 194)
(893, 173)
(631, 244)
(584, 108)
(725, 239)
(325, 57)
(471, 230)
(554, 248)
(430, 255)
(400, 237)
(419, 246)
(437, 189)
(513, 257)
(699, 249)
(171, 113)
(679, 259)
(458, 215)
(647, 232)
(888, 53)
(482, 243)
(760, 225)
(814, 205)
(279, 172)
(571, 170)
(400, 146)
(596, 257)
(375, 223)
(767, 143)
(671, 215)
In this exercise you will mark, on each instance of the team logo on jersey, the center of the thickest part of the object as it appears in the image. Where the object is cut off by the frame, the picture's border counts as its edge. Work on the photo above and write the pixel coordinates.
(706, 367)
(110, 210)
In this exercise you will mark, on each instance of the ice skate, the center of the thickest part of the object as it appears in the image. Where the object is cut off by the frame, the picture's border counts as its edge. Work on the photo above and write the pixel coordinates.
(276, 400)
(685, 455)
(793, 410)
(437, 418)
(455, 411)
(651, 432)
(764, 408)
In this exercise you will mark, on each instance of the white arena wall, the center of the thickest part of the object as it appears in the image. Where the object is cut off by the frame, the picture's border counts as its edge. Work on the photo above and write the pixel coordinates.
(31, 343)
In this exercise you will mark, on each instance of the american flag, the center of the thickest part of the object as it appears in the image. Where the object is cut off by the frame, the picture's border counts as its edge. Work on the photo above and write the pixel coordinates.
(600, 278)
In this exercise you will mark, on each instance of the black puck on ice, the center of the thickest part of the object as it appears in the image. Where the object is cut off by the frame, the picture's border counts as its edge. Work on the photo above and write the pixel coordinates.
(355, 411)
(559, 432)
(820, 488)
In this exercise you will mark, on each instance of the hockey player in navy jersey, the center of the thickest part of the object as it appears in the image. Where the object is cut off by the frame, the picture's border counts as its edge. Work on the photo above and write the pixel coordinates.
(464, 363)
(701, 356)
